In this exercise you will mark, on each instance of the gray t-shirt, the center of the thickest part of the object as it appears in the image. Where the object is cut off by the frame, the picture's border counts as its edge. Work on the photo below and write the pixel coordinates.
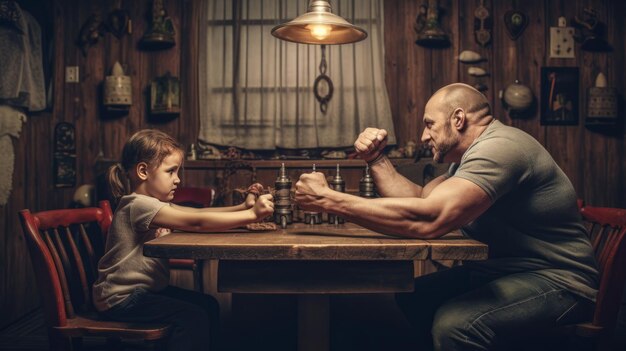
(123, 266)
(533, 223)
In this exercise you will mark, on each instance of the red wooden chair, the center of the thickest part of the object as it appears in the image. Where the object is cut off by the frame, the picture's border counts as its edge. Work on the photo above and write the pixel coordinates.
(192, 197)
(607, 230)
(65, 246)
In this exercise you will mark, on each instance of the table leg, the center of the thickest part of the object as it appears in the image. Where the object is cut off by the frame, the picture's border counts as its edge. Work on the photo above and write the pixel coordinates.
(313, 322)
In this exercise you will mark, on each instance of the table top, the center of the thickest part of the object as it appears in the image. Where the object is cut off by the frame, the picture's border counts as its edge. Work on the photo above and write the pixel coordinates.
(301, 241)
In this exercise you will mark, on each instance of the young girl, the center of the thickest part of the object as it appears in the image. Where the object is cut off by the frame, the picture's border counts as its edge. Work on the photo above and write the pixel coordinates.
(134, 288)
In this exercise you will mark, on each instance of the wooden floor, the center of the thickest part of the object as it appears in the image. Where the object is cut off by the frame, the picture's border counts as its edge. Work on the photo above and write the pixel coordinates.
(358, 322)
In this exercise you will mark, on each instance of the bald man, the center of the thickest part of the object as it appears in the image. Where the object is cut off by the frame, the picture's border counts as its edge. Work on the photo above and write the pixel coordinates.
(503, 189)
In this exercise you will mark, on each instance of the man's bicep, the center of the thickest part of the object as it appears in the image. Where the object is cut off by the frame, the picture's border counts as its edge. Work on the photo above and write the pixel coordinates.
(430, 186)
(459, 202)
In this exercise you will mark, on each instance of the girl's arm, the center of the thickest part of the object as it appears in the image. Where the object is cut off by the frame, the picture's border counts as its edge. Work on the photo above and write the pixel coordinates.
(204, 221)
(248, 203)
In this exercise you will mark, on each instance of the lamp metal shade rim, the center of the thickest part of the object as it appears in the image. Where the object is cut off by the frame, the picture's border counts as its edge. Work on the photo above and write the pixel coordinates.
(296, 31)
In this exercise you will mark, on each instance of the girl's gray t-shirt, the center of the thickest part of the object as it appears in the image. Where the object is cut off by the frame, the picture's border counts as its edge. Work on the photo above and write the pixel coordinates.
(533, 223)
(123, 267)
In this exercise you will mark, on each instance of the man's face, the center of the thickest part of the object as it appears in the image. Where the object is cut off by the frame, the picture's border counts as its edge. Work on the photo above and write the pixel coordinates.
(438, 132)
(163, 180)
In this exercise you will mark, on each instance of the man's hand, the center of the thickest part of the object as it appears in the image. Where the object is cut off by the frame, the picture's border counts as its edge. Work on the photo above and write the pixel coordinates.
(370, 143)
(264, 206)
(310, 191)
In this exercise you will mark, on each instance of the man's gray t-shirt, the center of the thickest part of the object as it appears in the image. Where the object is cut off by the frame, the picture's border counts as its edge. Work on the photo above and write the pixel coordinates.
(533, 223)
(123, 268)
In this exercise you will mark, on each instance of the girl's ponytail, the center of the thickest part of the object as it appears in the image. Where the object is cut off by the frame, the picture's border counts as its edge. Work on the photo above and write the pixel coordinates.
(118, 181)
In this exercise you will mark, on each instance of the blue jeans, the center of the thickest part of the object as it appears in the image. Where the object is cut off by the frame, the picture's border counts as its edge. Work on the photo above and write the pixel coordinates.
(465, 309)
(193, 315)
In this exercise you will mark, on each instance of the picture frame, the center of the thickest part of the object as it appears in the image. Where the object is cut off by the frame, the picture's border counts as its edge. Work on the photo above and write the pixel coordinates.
(559, 95)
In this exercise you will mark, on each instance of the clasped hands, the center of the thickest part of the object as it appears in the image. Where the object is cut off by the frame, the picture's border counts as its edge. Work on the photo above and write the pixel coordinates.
(312, 188)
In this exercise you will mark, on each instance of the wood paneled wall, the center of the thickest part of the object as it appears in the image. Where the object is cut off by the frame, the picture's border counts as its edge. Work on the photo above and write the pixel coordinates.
(595, 162)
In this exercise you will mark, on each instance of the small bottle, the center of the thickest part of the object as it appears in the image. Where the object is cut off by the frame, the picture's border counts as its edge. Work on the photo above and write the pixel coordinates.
(311, 217)
(337, 184)
(367, 188)
(282, 209)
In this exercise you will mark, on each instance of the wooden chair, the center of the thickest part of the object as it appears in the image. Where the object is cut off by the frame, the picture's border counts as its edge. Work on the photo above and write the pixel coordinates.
(607, 230)
(192, 197)
(65, 246)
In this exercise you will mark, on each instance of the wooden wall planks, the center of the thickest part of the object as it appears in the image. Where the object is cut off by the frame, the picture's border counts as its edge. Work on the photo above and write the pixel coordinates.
(595, 162)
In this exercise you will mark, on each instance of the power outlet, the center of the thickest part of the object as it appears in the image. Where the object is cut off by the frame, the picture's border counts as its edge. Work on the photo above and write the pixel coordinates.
(71, 74)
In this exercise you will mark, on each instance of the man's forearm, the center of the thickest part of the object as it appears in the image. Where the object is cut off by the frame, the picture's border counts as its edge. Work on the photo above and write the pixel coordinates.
(390, 183)
(392, 216)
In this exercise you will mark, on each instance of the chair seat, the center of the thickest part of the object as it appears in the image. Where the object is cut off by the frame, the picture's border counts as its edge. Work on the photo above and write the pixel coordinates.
(91, 326)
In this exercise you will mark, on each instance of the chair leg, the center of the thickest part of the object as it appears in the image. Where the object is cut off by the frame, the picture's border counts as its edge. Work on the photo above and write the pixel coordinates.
(197, 276)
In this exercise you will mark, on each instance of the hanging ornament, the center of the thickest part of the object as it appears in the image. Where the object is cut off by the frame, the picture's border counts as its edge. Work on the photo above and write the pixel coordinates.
(323, 86)
(515, 22)
(482, 24)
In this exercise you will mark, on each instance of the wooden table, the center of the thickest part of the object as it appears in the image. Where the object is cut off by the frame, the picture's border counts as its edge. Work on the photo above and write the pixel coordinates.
(314, 261)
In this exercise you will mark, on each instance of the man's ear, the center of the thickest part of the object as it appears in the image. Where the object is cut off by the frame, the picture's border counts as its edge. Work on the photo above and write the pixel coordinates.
(459, 119)
(142, 170)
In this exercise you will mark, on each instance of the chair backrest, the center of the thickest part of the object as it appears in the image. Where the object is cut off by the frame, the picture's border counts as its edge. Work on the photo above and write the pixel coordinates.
(194, 197)
(607, 230)
(65, 246)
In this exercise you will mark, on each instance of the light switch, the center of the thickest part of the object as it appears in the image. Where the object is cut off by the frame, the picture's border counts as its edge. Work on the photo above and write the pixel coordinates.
(71, 74)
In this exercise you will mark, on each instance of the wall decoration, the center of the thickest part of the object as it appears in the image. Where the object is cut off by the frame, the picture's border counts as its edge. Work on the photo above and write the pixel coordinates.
(602, 104)
(559, 95)
(89, 33)
(591, 32)
(64, 160)
(517, 98)
(477, 72)
(165, 95)
(118, 94)
(482, 24)
(429, 33)
(562, 40)
(469, 56)
(515, 22)
(161, 33)
(118, 23)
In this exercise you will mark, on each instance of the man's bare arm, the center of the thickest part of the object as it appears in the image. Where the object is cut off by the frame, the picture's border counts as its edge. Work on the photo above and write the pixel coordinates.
(390, 183)
(450, 205)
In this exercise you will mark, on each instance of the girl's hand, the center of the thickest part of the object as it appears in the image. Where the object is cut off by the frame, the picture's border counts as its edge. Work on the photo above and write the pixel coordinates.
(250, 201)
(264, 206)
(252, 193)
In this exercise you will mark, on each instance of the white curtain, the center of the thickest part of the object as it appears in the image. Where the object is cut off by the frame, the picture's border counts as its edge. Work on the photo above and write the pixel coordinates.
(256, 91)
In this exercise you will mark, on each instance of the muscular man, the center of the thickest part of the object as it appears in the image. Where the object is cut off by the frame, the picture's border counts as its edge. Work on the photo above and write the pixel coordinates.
(503, 189)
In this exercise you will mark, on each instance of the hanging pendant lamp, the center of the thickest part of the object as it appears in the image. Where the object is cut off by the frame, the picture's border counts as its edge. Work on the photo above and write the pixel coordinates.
(319, 26)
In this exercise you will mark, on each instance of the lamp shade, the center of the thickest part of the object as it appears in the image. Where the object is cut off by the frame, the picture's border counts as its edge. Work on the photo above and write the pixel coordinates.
(319, 26)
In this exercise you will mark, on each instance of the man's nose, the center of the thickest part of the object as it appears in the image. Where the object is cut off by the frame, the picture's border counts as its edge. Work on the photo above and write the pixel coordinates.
(425, 136)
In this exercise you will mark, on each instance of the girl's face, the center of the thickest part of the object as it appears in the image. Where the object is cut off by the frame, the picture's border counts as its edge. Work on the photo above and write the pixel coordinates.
(162, 181)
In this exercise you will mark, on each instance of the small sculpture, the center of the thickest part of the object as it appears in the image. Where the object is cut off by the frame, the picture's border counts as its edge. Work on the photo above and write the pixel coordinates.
(592, 32)
(602, 107)
(517, 98)
(118, 94)
(476, 72)
(429, 33)
(89, 33)
(161, 33)
(468, 56)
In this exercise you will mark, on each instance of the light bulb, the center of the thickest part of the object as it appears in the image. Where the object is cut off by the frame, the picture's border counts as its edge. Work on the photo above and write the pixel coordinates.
(319, 31)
